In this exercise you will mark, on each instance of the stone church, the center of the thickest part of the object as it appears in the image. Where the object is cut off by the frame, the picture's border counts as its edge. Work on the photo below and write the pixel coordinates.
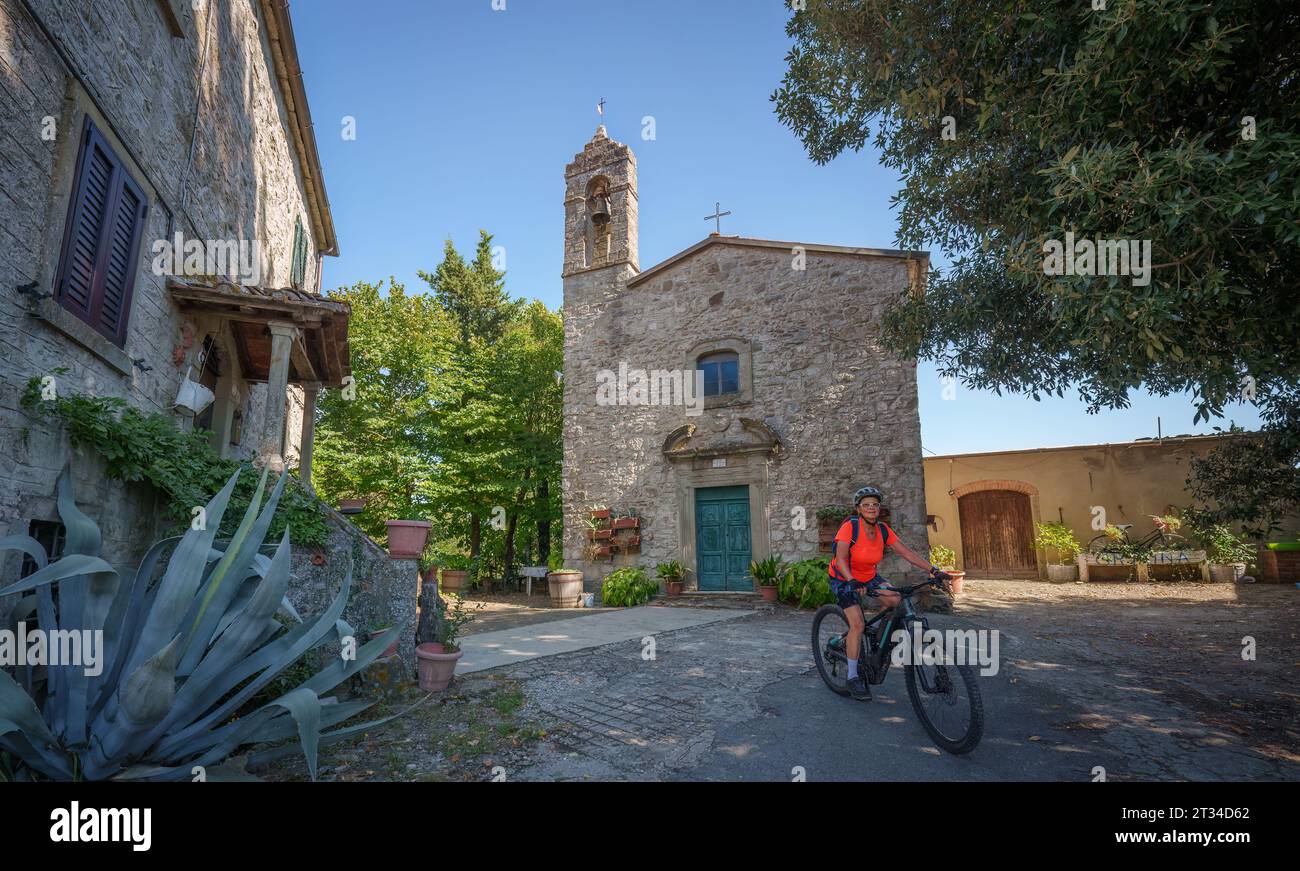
(801, 402)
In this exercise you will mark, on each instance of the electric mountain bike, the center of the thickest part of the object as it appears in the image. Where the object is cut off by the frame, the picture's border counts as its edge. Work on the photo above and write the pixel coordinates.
(946, 697)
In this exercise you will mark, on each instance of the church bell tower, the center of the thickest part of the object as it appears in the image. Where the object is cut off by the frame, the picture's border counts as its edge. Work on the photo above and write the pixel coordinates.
(600, 208)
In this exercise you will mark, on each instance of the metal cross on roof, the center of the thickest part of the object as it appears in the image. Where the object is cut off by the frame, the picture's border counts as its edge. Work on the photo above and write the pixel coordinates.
(717, 216)
(600, 107)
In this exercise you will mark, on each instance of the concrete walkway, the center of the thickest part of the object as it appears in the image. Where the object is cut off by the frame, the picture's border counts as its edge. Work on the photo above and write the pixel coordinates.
(486, 650)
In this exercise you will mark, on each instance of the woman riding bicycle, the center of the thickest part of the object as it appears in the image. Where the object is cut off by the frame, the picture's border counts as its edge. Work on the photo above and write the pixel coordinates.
(854, 569)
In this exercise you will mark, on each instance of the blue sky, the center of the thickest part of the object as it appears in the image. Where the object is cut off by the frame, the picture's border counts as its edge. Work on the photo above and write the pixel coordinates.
(466, 116)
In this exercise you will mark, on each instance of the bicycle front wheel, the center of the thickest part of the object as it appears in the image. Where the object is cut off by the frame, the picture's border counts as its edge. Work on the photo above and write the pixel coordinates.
(829, 627)
(947, 701)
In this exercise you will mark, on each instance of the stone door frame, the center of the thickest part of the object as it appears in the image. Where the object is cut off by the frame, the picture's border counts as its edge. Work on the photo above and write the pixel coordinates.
(752, 474)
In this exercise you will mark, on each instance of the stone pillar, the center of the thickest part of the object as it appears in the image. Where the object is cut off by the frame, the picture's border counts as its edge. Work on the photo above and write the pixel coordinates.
(277, 382)
(309, 392)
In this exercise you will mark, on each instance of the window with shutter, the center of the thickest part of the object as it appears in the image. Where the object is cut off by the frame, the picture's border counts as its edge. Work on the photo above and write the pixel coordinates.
(101, 243)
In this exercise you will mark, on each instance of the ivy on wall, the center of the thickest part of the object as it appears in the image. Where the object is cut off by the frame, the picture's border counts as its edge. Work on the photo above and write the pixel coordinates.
(149, 447)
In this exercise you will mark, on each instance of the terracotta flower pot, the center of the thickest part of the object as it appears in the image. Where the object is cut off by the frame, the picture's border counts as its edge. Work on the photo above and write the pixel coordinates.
(603, 551)
(768, 593)
(674, 588)
(601, 534)
(601, 514)
(564, 588)
(390, 650)
(406, 538)
(454, 580)
(956, 582)
(627, 522)
(436, 668)
(351, 506)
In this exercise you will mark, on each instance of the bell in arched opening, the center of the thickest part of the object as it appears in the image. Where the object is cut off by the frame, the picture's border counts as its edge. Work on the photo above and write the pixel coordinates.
(600, 207)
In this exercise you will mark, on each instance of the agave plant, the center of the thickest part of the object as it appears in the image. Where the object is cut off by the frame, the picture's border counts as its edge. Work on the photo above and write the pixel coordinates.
(180, 657)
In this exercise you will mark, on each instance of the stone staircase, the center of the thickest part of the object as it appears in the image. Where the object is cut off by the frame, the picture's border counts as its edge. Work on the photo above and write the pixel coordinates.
(694, 599)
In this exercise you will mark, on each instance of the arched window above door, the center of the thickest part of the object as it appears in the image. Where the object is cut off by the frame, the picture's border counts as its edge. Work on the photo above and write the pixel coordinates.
(727, 370)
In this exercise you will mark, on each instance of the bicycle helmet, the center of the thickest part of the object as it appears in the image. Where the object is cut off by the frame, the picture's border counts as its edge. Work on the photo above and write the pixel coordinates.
(864, 492)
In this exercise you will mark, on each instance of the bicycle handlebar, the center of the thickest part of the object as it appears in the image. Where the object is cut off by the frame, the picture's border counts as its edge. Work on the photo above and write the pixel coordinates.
(909, 590)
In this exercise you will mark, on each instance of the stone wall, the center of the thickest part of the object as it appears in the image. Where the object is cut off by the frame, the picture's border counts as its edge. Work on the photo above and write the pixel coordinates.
(841, 403)
(144, 89)
(383, 592)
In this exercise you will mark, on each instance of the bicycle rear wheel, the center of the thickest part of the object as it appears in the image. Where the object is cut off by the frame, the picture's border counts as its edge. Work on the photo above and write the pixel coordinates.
(947, 701)
(829, 623)
(1101, 544)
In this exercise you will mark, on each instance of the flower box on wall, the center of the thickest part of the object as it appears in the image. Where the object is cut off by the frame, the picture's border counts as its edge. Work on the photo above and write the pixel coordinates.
(604, 550)
(627, 522)
(600, 514)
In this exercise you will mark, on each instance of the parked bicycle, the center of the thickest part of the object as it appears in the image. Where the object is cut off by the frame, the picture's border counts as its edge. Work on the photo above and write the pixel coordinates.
(1161, 538)
(945, 697)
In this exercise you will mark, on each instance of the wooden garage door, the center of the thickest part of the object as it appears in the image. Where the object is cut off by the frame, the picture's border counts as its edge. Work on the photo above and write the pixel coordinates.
(997, 535)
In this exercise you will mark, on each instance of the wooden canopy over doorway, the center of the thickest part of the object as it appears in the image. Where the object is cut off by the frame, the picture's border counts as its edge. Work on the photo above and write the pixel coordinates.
(319, 353)
(281, 337)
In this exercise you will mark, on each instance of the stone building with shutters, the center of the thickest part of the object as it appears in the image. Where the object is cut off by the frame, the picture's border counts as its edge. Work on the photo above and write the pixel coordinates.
(726, 394)
(124, 125)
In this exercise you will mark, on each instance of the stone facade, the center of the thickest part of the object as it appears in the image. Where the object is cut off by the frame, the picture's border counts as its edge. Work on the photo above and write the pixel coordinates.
(205, 126)
(823, 407)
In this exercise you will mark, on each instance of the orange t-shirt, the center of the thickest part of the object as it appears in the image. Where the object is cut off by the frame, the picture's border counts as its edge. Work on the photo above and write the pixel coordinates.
(867, 553)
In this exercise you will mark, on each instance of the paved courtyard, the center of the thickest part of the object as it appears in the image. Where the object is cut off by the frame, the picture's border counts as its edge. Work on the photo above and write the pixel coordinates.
(1147, 683)
(1144, 681)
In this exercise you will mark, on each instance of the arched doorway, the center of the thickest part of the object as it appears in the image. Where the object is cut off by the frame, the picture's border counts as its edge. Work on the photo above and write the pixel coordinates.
(997, 534)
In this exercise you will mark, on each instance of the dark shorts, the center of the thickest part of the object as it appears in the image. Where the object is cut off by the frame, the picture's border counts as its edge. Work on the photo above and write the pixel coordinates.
(846, 592)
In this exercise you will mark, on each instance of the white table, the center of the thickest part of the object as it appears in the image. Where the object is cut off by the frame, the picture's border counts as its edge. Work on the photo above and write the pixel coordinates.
(531, 572)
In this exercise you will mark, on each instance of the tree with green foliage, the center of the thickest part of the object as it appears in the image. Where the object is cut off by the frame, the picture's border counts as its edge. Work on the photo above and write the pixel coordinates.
(472, 478)
(1013, 124)
(456, 414)
(378, 441)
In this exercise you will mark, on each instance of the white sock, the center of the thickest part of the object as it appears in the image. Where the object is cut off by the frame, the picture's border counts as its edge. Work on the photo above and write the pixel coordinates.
(853, 669)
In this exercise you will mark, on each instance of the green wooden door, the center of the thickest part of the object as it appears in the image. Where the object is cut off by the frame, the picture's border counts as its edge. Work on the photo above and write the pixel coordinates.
(722, 543)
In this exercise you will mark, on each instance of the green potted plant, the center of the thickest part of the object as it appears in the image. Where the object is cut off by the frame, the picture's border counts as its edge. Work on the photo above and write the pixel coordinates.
(1227, 552)
(436, 660)
(564, 586)
(830, 517)
(1058, 538)
(945, 558)
(627, 587)
(672, 574)
(455, 573)
(767, 573)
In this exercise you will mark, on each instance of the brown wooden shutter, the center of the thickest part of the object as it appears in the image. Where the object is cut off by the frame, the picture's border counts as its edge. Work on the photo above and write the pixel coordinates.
(101, 244)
